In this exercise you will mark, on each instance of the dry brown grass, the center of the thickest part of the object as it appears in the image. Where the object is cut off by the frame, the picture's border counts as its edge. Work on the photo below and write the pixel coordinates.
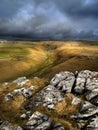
(74, 56)
(11, 110)
(65, 108)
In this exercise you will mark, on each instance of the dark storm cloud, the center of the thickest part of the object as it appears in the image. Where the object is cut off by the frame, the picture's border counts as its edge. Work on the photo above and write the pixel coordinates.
(49, 19)
(79, 8)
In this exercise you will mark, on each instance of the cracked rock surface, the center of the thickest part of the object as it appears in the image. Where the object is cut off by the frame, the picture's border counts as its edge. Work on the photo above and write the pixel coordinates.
(63, 81)
(39, 121)
(48, 96)
(82, 85)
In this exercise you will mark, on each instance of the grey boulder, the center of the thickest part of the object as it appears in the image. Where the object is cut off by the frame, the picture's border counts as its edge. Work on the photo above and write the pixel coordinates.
(38, 121)
(82, 79)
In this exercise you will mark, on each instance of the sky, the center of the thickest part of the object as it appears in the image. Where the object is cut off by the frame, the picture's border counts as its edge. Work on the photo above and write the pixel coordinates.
(49, 19)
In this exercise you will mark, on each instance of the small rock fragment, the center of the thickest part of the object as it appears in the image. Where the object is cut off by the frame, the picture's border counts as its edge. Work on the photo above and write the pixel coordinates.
(26, 115)
(76, 101)
(9, 97)
(21, 81)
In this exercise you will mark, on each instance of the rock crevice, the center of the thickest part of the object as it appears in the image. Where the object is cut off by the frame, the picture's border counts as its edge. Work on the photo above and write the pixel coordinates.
(83, 84)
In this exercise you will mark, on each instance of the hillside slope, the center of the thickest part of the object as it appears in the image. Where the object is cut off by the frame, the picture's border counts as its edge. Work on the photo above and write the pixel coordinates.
(46, 58)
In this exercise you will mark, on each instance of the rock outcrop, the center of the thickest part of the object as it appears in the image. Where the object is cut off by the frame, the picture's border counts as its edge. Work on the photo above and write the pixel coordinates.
(81, 80)
(8, 126)
(21, 81)
(26, 92)
(49, 96)
(63, 81)
(39, 121)
(82, 85)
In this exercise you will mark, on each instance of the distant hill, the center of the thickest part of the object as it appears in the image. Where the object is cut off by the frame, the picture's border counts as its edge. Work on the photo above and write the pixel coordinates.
(45, 58)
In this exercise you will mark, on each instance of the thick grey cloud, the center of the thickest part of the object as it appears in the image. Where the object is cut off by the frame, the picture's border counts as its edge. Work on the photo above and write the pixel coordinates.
(80, 8)
(49, 19)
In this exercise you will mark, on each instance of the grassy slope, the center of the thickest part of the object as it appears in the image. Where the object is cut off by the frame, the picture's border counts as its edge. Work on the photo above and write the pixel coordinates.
(44, 60)
(33, 58)
(18, 59)
(72, 56)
